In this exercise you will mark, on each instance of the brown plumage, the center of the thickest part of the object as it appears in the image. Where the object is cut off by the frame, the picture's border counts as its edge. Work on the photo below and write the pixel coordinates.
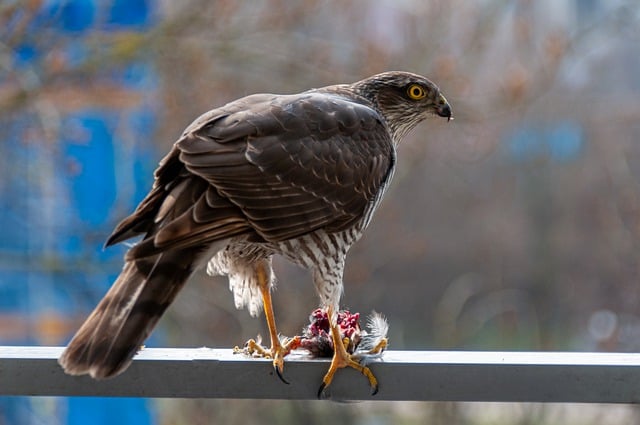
(297, 175)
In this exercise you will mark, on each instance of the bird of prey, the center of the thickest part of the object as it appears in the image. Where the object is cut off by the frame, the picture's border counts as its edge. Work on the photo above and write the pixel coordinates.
(296, 175)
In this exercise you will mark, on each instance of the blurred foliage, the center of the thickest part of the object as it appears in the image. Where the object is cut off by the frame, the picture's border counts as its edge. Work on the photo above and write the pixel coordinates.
(516, 226)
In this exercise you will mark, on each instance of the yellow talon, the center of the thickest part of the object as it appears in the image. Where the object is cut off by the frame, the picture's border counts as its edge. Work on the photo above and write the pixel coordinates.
(278, 349)
(341, 358)
(380, 347)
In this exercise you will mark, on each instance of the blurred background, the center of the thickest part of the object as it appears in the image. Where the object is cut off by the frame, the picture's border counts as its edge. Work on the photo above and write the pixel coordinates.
(514, 227)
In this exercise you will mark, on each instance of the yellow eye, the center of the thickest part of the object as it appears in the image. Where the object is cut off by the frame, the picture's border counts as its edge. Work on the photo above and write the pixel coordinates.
(416, 92)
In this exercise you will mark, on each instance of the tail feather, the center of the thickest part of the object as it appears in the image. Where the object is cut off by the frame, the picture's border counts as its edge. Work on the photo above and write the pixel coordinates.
(107, 341)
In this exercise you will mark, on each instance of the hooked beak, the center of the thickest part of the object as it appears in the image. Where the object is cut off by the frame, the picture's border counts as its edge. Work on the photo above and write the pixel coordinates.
(443, 109)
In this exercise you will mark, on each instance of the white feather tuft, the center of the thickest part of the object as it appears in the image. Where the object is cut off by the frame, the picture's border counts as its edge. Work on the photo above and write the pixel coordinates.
(374, 338)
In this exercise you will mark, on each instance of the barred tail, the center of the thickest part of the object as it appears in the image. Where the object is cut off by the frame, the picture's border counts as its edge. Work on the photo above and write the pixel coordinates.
(107, 341)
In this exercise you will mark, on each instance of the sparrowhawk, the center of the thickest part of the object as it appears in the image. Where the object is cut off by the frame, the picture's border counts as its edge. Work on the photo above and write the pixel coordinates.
(296, 175)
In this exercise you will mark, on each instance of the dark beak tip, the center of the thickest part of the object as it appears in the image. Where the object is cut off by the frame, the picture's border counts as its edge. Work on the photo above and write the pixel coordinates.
(445, 112)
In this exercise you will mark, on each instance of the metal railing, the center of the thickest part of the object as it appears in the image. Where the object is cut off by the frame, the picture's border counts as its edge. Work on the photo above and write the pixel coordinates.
(403, 375)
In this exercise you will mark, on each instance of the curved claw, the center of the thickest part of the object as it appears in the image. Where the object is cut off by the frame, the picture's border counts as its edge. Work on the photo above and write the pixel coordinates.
(277, 352)
(341, 358)
(277, 369)
(374, 389)
(321, 391)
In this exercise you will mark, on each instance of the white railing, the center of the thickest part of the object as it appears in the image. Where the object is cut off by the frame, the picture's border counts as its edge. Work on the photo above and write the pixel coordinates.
(403, 375)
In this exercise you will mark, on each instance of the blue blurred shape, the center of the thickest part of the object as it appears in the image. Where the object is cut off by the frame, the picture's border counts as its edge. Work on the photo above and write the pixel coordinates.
(560, 142)
(78, 16)
(525, 143)
(75, 15)
(59, 199)
(130, 13)
(565, 141)
(109, 411)
(13, 292)
(90, 165)
(24, 54)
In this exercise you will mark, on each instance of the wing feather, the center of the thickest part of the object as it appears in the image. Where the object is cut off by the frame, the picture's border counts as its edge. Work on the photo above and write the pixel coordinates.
(294, 164)
(273, 167)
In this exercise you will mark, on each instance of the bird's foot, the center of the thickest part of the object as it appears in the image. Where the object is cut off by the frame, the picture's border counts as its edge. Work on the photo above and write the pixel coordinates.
(379, 347)
(277, 352)
(341, 359)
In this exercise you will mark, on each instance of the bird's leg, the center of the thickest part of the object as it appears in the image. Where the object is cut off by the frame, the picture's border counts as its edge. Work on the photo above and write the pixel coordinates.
(278, 349)
(341, 358)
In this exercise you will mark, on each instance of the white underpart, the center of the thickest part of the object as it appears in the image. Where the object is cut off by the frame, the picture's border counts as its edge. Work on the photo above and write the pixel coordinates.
(243, 281)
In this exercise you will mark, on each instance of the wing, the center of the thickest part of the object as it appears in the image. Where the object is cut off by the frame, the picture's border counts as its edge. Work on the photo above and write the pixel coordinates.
(293, 164)
(269, 166)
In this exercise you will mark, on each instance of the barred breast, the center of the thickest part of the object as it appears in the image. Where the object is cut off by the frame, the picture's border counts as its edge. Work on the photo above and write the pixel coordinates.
(321, 252)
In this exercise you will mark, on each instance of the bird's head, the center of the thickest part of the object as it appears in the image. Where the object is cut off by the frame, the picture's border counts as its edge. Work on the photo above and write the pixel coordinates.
(403, 99)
